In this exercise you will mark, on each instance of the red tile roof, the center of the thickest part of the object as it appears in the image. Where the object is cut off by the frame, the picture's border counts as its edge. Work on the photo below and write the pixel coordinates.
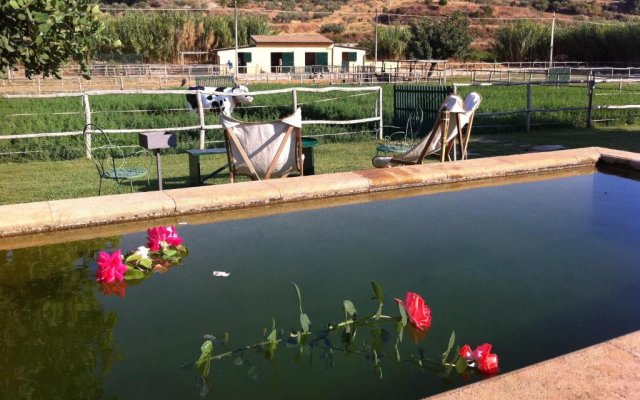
(291, 38)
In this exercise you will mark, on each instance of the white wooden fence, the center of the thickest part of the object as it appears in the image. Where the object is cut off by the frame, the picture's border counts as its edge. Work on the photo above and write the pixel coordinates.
(202, 126)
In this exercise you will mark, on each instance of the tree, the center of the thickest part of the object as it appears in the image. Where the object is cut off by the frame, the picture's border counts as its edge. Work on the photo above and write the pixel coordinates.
(392, 41)
(632, 6)
(440, 39)
(44, 34)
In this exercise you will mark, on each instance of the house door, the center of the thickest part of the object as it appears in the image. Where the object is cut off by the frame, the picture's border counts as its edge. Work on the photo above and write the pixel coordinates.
(282, 62)
(348, 56)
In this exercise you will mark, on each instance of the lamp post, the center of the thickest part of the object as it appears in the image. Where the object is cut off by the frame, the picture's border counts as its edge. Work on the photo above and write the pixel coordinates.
(235, 17)
(553, 31)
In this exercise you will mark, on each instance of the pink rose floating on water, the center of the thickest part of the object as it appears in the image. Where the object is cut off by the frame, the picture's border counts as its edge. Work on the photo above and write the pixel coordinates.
(110, 267)
(417, 310)
(159, 236)
(484, 360)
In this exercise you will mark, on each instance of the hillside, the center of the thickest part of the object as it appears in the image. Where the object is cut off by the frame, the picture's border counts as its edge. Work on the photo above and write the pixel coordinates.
(352, 21)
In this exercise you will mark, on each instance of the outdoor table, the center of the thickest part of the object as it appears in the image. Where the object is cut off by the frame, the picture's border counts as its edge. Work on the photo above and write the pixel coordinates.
(195, 178)
(157, 141)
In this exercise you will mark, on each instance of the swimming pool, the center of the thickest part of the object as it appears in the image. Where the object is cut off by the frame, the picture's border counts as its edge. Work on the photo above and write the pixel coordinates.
(538, 269)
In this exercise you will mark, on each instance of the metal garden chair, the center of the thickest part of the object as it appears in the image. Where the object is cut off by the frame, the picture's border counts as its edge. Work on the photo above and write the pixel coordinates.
(118, 163)
(402, 141)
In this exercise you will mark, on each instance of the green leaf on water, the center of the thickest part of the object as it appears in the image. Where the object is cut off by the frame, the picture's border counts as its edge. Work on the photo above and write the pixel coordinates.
(305, 322)
(145, 262)
(204, 361)
(452, 341)
(133, 258)
(13, 4)
(273, 335)
(461, 364)
(349, 308)
(403, 315)
(299, 295)
(133, 274)
(377, 289)
(169, 252)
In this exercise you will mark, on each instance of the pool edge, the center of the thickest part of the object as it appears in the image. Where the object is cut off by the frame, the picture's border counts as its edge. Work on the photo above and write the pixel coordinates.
(49, 216)
(605, 370)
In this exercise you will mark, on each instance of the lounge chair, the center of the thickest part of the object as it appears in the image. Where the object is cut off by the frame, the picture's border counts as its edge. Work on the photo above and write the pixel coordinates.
(455, 114)
(264, 150)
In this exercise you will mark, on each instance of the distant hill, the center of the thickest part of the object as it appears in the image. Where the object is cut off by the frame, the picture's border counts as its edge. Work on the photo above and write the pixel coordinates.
(352, 21)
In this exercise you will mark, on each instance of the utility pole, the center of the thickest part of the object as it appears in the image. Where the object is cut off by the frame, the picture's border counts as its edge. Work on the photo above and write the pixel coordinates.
(235, 17)
(553, 31)
(375, 65)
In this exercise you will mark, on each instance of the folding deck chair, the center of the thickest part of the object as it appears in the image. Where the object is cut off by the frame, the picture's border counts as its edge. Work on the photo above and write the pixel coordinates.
(264, 150)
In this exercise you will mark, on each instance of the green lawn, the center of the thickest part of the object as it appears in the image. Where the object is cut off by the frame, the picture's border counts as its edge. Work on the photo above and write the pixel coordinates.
(36, 181)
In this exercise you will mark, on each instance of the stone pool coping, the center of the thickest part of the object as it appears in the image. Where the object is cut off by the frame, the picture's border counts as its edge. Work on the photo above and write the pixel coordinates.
(55, 215)
(607, 370)
(611, 369)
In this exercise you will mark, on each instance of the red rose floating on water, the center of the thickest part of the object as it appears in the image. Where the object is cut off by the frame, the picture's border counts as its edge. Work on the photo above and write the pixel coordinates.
(484, 360)
(110, 267)
(418, 312)
(160, 236)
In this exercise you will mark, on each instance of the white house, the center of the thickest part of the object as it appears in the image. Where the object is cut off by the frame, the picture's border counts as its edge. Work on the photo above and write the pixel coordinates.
(292, 53)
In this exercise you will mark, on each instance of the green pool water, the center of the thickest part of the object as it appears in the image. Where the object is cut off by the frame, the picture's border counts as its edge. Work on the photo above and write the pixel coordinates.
(537, 269)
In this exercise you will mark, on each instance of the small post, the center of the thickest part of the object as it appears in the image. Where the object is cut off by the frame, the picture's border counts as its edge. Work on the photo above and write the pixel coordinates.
(202, 122)
(379, 110)
(591, 86)
(294, 100)
(528, 115)
(39, 88)
(121, 83)
(87, 121)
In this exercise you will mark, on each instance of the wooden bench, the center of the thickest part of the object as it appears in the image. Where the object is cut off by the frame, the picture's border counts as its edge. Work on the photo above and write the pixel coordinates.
(195, 178)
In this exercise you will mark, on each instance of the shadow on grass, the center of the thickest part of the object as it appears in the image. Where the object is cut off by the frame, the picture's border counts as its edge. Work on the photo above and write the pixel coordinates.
(489, 145)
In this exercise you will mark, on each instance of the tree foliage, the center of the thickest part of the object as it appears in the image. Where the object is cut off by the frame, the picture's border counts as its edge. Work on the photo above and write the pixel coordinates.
(632, 6)
(44, 34)
(392, 41)
(440, 39)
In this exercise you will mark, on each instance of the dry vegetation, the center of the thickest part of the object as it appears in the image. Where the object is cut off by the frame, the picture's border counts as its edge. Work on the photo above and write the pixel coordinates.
(359, 26)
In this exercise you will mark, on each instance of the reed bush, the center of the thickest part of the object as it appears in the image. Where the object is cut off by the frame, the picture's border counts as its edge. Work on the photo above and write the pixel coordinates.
(160, 37)
(523, 41)
(600, 43)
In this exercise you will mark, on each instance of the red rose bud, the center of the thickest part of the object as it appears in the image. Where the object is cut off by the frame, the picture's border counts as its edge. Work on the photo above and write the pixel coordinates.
(465, 352)
(489, 364)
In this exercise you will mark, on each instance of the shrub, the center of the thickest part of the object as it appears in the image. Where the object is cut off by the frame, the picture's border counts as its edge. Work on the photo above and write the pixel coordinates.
(335, 29)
